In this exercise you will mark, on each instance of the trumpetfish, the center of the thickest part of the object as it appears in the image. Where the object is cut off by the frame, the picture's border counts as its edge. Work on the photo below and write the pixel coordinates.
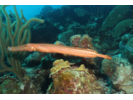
(51, 48)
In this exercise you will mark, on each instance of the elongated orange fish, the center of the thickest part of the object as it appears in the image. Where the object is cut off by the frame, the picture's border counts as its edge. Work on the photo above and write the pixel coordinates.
(51, 48)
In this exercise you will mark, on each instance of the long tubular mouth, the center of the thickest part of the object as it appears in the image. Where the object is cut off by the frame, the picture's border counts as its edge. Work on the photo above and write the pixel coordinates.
(21, 48)
(14, 48)
(10, 49)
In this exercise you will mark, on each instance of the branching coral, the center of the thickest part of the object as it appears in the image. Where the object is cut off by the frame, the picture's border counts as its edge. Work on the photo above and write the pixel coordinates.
(13, 34)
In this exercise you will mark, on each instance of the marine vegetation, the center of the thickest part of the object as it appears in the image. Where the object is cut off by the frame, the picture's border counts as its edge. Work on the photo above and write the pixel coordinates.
(13, 34)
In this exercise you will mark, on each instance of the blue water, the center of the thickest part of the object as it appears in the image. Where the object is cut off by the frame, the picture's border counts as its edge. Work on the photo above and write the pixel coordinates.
(29, 11)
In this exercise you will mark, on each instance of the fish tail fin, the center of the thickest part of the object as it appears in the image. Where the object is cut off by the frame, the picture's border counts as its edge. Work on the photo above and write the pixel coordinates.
(104, 56)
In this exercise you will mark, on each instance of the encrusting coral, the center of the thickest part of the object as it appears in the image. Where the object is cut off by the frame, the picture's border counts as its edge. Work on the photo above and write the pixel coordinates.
(68, 80)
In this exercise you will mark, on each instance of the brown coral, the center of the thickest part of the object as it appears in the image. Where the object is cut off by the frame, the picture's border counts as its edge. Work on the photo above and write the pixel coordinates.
(58, 65)
(69, 80)
(74, 40)
(86, 42)
(83, 42)
(108, 67)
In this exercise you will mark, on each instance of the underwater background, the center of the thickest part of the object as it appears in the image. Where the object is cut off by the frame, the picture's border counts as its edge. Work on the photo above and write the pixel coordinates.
(30, 10)
(76, 49)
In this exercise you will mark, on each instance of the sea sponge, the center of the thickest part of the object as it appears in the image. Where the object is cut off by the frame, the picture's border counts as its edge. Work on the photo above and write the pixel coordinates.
(115, 16)
(121, 27)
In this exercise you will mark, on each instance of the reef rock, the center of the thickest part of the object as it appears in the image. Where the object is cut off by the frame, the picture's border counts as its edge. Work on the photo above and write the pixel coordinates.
(34, 59)
(127, 50)
(91, 28)
(68, 80)
(120, 72)
(9, 87)
(64, 37)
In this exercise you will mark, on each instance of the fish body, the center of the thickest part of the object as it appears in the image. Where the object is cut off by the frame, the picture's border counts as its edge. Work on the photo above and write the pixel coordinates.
(51, 48)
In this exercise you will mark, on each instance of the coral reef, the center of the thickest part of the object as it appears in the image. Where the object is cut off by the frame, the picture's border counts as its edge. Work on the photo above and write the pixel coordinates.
(67, 80)
(86, 42)
(91, 28)
(115, 16)
(34, 59)
(27, 86)
(99, 45)
(59, 43)
(121, 27)
(120, 72)
(10, 87)
(35, 80)
(83, 42)
(126, 37)
(126, 47)
(73, 40)
(41, 32)
(63, 37)
(80, 12)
